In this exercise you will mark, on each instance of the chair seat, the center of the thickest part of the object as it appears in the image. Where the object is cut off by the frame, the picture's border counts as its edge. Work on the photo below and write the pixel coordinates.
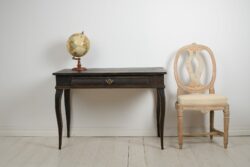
(201, 99)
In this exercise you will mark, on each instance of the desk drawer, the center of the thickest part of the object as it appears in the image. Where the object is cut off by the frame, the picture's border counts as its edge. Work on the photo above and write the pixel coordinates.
(111, 82)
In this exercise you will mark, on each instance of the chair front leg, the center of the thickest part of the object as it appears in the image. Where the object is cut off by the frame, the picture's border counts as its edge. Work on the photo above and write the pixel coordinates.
(226, 125)
(180, 122)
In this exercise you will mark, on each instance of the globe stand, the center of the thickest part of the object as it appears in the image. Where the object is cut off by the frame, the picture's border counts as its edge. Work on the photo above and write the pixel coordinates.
(79, 67)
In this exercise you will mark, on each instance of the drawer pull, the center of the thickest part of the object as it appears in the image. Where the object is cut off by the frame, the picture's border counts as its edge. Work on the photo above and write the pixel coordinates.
(109, 81)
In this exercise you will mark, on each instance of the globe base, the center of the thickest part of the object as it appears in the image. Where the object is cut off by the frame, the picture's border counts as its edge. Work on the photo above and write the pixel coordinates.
(79, 67)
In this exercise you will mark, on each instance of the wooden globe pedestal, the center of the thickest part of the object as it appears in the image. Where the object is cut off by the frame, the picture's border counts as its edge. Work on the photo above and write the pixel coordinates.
(79, 67)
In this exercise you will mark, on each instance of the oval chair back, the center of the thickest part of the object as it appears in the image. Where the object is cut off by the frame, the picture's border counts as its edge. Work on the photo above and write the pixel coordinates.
(195, 63)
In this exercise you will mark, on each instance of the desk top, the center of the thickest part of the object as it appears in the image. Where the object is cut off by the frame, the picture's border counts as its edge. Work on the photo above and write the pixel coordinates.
(114, 71)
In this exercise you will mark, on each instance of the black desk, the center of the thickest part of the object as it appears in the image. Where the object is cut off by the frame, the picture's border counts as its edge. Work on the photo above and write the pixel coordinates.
(109, 78)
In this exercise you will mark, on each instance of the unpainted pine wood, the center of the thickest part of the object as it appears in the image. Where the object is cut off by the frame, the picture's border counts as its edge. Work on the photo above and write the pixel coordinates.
(66, 157)
(185, 156)
(160, 158)
(202, 149)
(238, 151)
(211, 122)
(136, 157)
(180, 127)
(13, 151)
(191, 49)
(209, 153)
(135, 151)
(8, 149)
(71, 151)
(24, 154)
(104, 152)
(120, 153)
(41, 152)
(195, 87)
(6, 143)
(89, 152)
(226, 125)
(111, 152)
(221, 155)
(52, 155)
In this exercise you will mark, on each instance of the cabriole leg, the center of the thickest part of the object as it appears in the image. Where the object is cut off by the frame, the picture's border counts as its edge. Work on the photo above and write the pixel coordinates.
(58, 97)
(162, 115)
(211, 114)
(67, 109)
(158, 112)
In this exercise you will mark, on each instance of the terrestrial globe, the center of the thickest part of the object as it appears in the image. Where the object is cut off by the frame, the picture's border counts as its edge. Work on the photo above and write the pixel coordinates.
(78, 45)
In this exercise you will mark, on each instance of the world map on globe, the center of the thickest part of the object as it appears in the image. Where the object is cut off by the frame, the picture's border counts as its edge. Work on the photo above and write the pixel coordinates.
(78, 44)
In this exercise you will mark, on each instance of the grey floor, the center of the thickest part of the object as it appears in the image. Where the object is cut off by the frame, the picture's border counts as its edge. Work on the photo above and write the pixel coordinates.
(123, 152)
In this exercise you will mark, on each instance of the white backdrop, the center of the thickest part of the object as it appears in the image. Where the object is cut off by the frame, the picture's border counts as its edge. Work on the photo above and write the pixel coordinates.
(123, 33)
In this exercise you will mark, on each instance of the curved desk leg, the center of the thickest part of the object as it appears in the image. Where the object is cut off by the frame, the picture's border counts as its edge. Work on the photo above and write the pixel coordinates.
(67, 109)
(162, 115)
(58, 97)
(158, 112)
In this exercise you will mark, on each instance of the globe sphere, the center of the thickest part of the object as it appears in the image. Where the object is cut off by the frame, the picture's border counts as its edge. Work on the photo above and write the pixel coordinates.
(78, 45)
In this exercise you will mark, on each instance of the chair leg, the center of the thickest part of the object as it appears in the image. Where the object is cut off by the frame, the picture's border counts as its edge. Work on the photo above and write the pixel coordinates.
(226, 125)
(211, 123)
(180, 133)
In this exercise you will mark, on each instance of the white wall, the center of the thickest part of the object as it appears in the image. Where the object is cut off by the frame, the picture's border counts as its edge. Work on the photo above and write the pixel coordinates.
(123, 33)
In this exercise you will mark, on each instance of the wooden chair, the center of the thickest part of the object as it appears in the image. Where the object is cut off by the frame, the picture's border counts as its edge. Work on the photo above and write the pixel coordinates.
(195, 95)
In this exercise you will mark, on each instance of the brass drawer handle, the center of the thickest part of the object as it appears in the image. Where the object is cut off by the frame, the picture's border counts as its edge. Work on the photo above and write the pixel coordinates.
(109, 81)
